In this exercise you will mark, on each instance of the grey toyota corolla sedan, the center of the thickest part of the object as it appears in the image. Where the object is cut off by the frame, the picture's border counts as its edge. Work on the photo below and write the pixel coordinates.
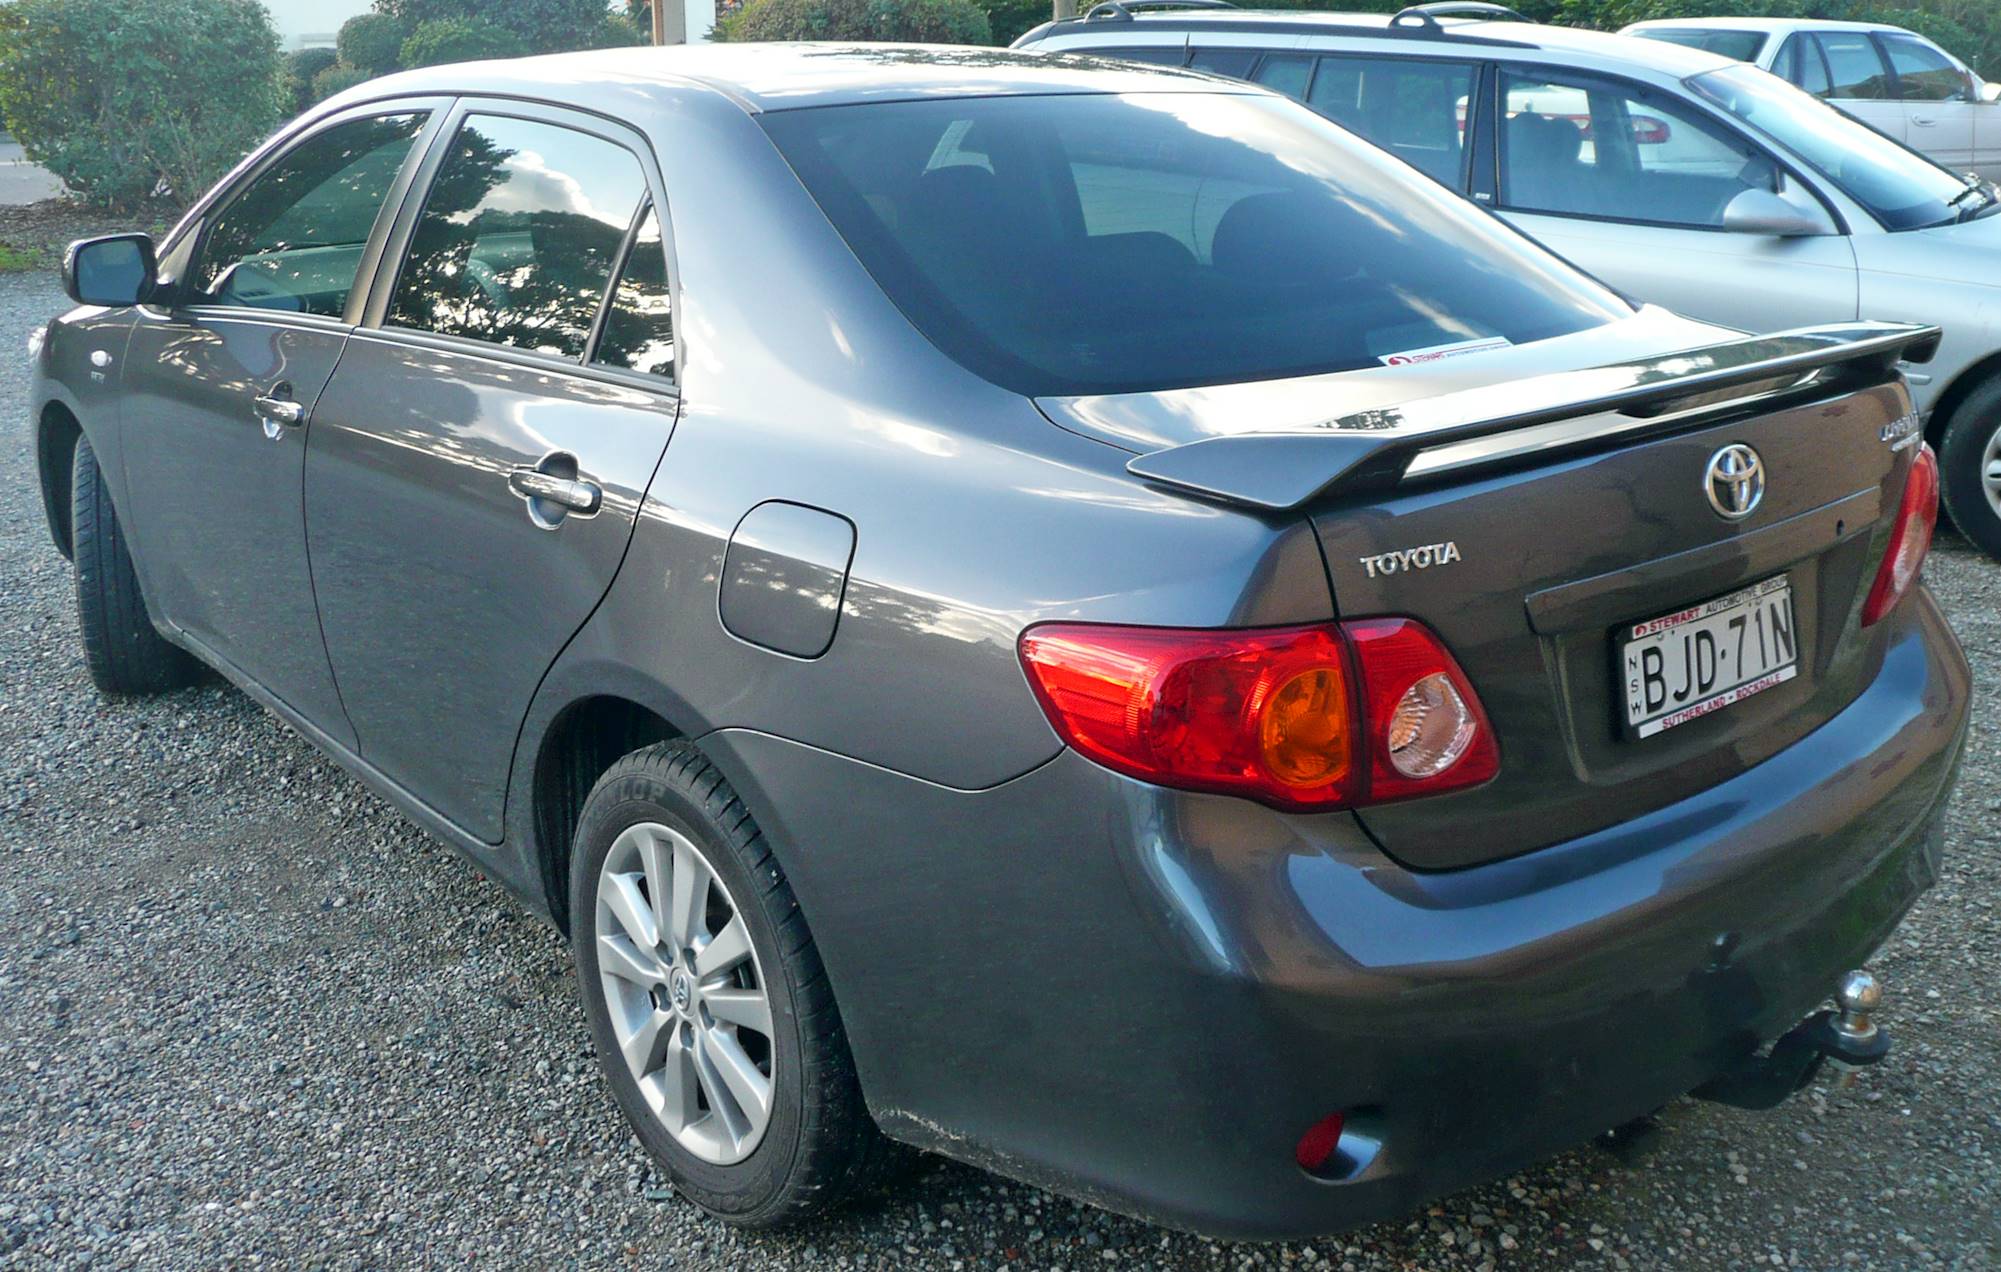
(1076, 617)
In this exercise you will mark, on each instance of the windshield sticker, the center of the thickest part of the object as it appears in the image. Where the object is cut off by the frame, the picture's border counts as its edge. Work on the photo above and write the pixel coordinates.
(1435, 353)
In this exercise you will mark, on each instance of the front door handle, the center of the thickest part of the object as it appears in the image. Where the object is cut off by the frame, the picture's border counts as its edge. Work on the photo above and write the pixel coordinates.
(555, 490)
(1924, 121)
(277, 413)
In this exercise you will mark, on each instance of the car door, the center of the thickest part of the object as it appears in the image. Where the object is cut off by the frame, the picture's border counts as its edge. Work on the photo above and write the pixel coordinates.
(222, 383)
(1939, 97)
(1631, 185)
(478, 458)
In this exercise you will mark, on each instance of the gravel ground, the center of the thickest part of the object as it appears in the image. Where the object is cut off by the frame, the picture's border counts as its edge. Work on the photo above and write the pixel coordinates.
(248, 1013)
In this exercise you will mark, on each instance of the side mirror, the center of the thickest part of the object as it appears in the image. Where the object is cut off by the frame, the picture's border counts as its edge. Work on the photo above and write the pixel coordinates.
(1762, 212)
(118, 270)
(1990, 93)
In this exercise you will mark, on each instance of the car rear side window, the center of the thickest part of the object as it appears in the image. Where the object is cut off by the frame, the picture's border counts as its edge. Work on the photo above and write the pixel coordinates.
(1587, 147)
(1233, 62)
(639, 325)
(1126, 243)
(1416, 110)
(1923, 73)
(1855, 65)
(519, 235)
(1288, 73)
(292, 239)
(1741, 46)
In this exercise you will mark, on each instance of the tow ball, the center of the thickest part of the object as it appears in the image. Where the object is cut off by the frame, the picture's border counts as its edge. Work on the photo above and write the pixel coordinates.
(1849, 1035)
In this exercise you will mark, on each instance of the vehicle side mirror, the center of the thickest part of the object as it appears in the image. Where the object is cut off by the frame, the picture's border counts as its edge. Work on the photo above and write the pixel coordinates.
(1990, 93)
(118, 270)
(1762, 212)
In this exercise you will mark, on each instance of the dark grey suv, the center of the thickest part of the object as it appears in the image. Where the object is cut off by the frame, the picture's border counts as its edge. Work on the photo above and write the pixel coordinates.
(1078, 617)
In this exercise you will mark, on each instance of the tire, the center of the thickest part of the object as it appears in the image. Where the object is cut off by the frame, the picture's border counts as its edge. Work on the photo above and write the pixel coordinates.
(125, 653)
(818, 1145)
(1969, 464)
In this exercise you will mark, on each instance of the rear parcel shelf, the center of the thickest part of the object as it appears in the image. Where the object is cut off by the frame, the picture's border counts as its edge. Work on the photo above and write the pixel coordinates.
(1547, 414)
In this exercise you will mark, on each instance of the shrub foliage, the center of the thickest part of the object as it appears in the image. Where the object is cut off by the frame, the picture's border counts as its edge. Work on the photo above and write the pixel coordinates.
(917, 21)
(459, 40)
(372, 42)
(118, 98)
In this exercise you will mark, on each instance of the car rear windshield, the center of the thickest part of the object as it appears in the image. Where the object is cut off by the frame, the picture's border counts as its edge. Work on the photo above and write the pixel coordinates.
(1080, 244)
(1900, 187)
(1741, 46)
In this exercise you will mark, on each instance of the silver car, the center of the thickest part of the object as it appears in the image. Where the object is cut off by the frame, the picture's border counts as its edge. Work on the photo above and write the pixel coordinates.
(1896, 81)
(1678, 176)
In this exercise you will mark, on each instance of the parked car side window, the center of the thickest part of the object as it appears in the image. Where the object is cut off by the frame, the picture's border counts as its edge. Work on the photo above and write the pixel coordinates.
(1800, 61)
(1415, 110)
(1233, 62)
(1923, 73)
(519, 235)
(1288, 73)
(292, 239)
(1587, 148)
(639, 326)
(1741, 46)
(1855, 66)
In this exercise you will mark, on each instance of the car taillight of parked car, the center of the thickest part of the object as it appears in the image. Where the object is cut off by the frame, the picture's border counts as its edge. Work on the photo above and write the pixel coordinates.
(1314, 717)
(1910, 538)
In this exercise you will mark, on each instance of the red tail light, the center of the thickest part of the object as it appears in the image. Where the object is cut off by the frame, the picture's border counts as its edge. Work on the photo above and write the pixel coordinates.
(1298, 717)
(1910, 538)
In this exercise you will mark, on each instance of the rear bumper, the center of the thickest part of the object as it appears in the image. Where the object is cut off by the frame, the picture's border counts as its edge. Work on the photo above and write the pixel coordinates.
(1143, 999)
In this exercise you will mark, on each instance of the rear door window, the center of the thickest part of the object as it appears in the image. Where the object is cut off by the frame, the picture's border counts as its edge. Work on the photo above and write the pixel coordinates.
(520, 232)
(638, 332)
(1235, 63)
(1287, 73)
(292, 239)
(1855, 66)
(1416, 110)
(1587, 147)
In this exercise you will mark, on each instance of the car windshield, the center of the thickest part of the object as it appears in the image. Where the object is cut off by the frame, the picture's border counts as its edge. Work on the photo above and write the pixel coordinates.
(1901, 188)
(1741, 46)
(1074, 244)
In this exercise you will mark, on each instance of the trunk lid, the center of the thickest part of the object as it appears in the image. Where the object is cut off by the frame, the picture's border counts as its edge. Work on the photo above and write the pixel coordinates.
(1534, 523)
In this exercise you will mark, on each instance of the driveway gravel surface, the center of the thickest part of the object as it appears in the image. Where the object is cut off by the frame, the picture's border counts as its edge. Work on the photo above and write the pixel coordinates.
(248, 1013)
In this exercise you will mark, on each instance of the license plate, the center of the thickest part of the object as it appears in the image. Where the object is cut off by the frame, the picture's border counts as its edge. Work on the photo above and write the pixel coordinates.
(1694, 662)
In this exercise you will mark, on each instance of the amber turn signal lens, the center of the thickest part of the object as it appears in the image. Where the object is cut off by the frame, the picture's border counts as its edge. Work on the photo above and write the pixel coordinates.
(1304, 729)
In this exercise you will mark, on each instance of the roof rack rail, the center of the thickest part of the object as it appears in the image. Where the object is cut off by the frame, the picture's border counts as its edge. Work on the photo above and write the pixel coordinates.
(1427, 15)
(1122, 10)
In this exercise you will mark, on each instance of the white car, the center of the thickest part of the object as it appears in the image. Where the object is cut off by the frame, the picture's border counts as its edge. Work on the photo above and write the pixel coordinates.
(1681, 177)
(1894, 80)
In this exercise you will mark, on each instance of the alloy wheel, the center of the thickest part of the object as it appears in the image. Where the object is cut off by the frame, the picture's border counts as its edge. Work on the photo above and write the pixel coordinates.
(685, 994)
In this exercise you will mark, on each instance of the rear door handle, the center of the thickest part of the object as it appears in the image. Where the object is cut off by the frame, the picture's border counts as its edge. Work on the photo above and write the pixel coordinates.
(1924, 121)
(555, 490)
(572, 493)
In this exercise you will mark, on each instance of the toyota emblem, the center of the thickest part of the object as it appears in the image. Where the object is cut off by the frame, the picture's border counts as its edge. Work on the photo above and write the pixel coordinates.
(1735, 482)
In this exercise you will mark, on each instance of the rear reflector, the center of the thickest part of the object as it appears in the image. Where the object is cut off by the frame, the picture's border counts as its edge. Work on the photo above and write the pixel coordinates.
(1910, 538)
(1312, 717)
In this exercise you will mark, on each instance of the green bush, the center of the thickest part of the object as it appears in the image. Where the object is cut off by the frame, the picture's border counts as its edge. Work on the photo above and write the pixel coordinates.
(117, 98)
(909, 21)
(373, 42)
(300, 70)
(338, 78)
(541, 26)
(618, 31)
(459, 40)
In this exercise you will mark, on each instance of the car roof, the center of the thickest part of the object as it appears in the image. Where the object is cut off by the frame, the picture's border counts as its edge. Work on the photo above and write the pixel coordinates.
(784, 76)
(1670, 59)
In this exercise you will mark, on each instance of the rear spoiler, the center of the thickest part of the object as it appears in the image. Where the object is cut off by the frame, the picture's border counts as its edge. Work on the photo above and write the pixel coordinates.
(1499, 423)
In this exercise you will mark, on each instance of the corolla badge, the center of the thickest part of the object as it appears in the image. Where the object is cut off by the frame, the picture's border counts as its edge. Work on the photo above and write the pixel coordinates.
(1735, 481)
(1905, 430)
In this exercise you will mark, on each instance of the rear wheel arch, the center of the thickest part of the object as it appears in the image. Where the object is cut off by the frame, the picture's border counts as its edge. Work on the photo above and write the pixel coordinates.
(55, 454)
(582, 742)
(1968, 382)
